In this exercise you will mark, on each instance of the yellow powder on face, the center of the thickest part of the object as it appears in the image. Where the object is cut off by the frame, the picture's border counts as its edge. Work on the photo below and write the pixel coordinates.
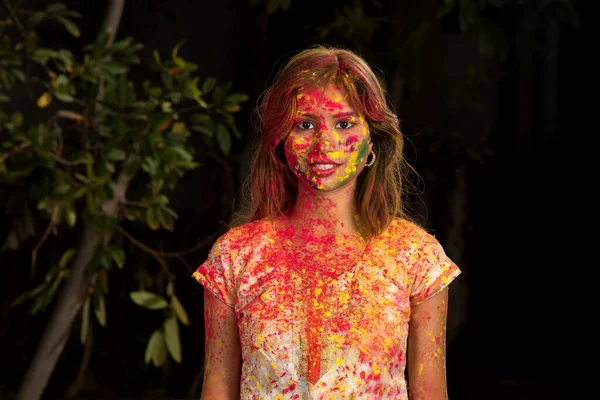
(351, 168)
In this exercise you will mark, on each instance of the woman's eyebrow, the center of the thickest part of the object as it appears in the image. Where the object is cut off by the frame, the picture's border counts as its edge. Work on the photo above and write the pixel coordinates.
(345, 114)
(300, 114)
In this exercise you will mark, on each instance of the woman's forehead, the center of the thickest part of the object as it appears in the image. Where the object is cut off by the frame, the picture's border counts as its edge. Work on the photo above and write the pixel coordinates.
(329, 98)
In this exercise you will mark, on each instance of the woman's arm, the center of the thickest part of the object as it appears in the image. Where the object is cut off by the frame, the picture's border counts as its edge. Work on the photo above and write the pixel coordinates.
(223, 356)
(426, 359)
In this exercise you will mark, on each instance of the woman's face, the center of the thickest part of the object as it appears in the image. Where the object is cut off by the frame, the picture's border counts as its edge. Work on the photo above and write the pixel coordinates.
(329, 142)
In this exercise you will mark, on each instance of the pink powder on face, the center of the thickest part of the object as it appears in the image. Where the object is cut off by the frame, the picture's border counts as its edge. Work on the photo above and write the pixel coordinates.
(317, 97)
(351, 140)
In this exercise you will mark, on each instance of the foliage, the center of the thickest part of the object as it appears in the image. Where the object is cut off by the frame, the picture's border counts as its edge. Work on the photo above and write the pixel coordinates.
(167, 336)
(97, 127)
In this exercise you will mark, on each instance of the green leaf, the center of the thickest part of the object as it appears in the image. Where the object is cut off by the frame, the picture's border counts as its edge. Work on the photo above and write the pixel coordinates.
(203, 129)
(54, 7)
(35, 18)
(172, 338)
(132, 166)
(23, 297)
(103, 281)
(66, 258)
(42, 301)
(70, 26)
(37, 134)
(152, 218)
(62, 189)
(105, 260)
(223, 138)
(175, 51)
(20, 75)
(81, 177)
(159, 350)
(16, 120)
(179, 310)
(87, 159)
(148, 300)
(118, 254)
(199, 118)
(209, 84)
(116, 154)
(165, 220)
(110, 167)
(70, 214)
(152, 345)
(236, 98)
(43, 53)
(101, 41)
(66, 57)
(100, 308)
(65, 97)
(156, 56)
(85, 320)
(234, 129)
(114, 67)
(157, 184)
(4, 97)
(183, 153)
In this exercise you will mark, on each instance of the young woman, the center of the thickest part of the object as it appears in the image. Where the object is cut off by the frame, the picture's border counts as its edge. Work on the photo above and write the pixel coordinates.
(327, 290)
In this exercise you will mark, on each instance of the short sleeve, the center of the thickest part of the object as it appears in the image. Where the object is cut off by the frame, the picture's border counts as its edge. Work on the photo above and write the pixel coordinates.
(433, 272)
(216, 274)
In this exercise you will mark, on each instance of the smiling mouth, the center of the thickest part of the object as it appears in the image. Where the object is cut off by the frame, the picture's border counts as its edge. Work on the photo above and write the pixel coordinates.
(323, 167)
(324, 170)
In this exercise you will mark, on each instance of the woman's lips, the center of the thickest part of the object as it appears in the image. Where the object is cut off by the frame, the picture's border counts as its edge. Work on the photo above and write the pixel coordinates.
(323, 169)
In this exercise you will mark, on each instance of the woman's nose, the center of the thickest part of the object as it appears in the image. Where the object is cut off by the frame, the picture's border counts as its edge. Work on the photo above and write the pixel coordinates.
(323, 139)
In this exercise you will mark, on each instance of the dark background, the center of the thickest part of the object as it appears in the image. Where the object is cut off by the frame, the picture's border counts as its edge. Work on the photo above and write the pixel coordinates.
(497, 161)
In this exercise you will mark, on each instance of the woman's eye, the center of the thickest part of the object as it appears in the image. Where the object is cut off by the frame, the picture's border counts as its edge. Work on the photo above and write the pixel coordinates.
(305, 125)
(344, 125)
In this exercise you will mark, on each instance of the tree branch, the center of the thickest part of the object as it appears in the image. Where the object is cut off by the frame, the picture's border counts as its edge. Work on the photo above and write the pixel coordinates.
(14, 17)
(17, 149)
(112, 20)
(147, 249)
(34, 252)
(177, 254)
(60, 160)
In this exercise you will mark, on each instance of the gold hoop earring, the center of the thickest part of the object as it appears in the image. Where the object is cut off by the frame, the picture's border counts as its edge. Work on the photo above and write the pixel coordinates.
(370, 163)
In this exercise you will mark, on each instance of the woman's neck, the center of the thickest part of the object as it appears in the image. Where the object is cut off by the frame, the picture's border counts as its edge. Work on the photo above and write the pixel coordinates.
(327, 212)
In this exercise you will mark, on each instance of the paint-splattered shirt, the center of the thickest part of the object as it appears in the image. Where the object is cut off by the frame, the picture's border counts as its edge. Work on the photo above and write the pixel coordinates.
(363, 311)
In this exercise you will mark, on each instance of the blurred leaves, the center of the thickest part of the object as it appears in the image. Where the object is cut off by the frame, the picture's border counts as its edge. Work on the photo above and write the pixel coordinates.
(149, 300)
(98, 122)
(167, 337)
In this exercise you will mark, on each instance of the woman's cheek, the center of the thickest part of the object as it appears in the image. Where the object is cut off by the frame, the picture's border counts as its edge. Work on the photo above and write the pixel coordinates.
(295, 149)
(356, 150)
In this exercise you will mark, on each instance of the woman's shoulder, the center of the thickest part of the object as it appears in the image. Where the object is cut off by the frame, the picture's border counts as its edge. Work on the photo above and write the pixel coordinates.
(404, 229)
(246, 234)
(403, 233)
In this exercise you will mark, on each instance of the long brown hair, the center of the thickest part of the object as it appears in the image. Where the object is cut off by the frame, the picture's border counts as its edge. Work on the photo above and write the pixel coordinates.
(271, 186)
